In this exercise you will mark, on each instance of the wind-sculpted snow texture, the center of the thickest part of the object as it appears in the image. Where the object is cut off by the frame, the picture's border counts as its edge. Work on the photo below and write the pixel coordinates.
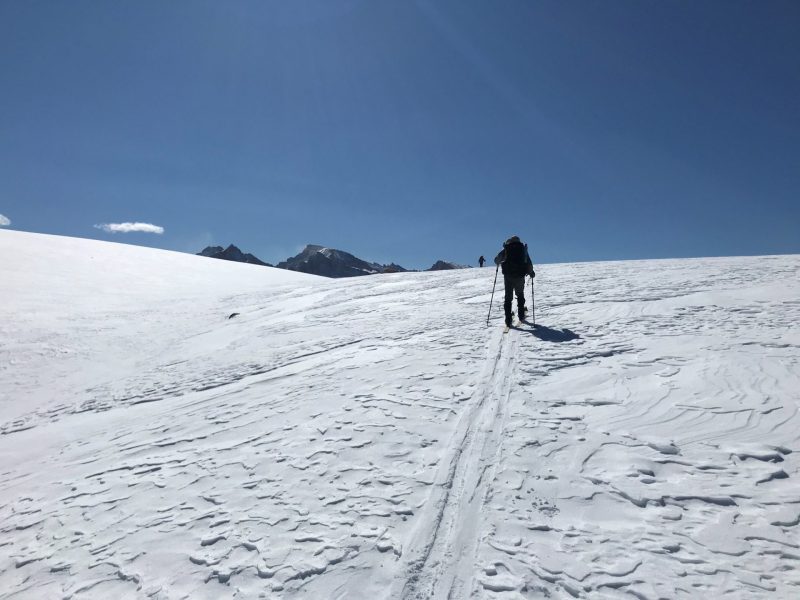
(372, 438)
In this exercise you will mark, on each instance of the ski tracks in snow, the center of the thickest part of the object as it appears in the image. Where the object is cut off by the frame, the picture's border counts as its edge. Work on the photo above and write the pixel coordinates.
(654, 453)
(376, 441)
(441, 553)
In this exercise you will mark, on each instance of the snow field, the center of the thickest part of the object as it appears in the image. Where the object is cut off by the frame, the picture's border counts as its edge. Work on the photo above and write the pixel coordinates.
(371, 437)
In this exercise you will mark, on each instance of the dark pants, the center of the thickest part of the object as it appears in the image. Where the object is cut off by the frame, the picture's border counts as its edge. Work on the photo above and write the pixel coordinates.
(515, 284)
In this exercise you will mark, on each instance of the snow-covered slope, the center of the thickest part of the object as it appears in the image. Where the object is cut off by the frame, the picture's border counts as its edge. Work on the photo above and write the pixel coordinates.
(75, 312)
(372, 438)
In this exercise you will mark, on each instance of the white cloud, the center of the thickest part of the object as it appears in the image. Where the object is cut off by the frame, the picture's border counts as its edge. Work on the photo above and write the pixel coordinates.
(129, 227)
(4, 221)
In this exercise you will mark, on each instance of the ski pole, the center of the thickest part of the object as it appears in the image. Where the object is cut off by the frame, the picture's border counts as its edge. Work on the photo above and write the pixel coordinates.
(533, 302)
(492, 300)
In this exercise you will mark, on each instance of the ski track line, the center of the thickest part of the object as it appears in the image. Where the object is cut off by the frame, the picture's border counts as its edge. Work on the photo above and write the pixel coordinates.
(442, 548)
(206, 390)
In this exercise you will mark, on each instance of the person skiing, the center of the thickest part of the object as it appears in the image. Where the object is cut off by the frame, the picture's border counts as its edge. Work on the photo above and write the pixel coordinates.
(481, 260)
(516, 264)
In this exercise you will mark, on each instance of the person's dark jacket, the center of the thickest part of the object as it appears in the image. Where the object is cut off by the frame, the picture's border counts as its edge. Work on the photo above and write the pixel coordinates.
(514, 258)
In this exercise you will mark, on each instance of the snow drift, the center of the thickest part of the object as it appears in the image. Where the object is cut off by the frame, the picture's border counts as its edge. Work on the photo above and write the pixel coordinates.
(371, 437)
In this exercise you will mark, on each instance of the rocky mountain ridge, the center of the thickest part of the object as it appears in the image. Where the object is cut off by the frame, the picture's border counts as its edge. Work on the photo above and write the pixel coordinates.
(329, 262)
(322, 260)
(232, 253)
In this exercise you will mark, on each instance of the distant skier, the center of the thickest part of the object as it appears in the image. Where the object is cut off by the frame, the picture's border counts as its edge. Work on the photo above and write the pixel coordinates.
(516, 264)
(481, 260)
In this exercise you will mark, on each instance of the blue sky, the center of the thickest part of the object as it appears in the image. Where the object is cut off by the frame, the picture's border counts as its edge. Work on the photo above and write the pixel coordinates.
(406, 131)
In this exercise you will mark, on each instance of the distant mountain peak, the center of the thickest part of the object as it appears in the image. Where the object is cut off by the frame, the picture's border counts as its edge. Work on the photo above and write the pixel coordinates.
(443, 265)
(211, 251)
(233, 254)
(330, 262)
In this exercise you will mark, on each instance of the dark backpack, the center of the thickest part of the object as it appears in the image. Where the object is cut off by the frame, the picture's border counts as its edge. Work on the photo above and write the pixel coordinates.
(516, 262)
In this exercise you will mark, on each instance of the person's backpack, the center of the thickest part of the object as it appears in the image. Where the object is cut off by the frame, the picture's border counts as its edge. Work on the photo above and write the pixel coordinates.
(516, 262)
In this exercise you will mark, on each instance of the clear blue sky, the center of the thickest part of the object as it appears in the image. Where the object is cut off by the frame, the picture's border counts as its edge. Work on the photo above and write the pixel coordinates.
(406, 131)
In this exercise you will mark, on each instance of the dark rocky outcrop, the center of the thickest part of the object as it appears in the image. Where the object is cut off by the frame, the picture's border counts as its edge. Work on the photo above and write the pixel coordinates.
(441, 265)
(328, 262)
(211, 251)
(393, 268)
(232, 253)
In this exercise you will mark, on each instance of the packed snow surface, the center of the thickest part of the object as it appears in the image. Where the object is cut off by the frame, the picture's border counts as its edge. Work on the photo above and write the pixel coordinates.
(373, 438)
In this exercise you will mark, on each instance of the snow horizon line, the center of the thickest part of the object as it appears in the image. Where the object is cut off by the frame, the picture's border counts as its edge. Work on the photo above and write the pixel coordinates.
(140, 227)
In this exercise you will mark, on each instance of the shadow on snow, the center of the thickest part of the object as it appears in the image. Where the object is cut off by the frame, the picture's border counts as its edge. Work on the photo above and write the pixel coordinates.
(547, 334)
